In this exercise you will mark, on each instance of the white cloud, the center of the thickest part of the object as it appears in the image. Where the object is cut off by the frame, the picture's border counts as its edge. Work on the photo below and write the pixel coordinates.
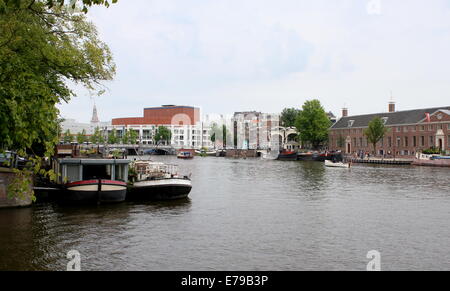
(266, 55)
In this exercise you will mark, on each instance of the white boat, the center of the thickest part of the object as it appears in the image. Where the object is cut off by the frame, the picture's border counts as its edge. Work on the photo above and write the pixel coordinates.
(337, 164)
(158, 181)
(270, 155)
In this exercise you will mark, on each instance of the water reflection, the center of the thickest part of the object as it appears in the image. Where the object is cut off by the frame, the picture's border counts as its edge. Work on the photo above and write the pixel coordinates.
(248, 215)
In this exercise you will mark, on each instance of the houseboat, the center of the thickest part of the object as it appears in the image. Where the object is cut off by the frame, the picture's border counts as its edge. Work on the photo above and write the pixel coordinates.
(157, 181)
(91, 180)
(287, 156)
(431, 160)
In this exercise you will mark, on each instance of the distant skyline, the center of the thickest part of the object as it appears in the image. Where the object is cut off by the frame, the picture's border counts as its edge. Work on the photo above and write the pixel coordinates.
(226, 56)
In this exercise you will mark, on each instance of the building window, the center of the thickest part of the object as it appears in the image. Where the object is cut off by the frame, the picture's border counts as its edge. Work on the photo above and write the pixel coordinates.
(405, 129)
(414, 141)
(350, 123)
(399, 142)
(406, 141)
(385, 119)
(448, 141)
(422, 141)
(390, 142)
(422, 128)
(431, 141)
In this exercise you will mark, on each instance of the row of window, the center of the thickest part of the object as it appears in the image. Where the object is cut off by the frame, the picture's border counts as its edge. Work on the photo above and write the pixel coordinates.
(411, 128)
(415, 141)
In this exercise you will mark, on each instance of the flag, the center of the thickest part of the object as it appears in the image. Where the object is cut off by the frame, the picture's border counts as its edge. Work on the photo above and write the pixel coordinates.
(428, 117)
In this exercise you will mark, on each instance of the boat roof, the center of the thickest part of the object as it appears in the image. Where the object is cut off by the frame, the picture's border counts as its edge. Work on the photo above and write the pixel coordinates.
(79, 161)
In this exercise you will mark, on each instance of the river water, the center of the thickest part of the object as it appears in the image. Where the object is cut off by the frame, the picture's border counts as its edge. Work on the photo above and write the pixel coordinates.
(249, 215)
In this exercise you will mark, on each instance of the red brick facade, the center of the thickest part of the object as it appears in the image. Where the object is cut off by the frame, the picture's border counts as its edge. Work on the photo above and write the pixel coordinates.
(401, 140)
(165, 115)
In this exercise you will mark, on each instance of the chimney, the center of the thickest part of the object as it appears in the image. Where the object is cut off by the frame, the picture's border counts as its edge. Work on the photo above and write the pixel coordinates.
(344, 112)
(391, 107)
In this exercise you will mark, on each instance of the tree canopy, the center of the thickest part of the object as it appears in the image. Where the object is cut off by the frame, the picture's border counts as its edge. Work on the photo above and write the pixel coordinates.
(288, 117)
(83, 4)
(375, 132)
(162, 134)
(41, 49)
(313, 123)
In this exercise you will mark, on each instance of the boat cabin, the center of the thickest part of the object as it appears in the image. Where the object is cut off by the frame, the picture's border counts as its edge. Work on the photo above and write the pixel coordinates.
(76, 169)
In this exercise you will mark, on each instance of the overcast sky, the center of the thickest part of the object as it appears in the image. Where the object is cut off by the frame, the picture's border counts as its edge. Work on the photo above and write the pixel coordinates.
(236, 55)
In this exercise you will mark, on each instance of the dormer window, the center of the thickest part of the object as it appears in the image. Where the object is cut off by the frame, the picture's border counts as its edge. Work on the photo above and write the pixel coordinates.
(385, 119)
(350, 123)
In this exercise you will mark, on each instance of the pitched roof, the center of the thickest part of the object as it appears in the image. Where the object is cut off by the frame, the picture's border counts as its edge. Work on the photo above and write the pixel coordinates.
(393, 118)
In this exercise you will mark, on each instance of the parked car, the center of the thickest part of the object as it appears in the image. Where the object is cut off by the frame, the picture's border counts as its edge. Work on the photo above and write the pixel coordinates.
(10, 159)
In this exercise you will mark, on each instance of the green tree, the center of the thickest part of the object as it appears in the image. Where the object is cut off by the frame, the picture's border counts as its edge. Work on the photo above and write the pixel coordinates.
(133, 136)
(82, 4)
(41, 49)
(101, 138)
(97, 137)
(375, 132)
(288, 117)
(68, 137)
(112, 137)
(313, 123)
(126, 136)
(81, 137)
(162, 134)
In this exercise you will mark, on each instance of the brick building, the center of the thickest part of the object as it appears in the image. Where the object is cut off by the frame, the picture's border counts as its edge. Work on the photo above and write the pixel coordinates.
(164, 115)
(188, 131)
(409, 131)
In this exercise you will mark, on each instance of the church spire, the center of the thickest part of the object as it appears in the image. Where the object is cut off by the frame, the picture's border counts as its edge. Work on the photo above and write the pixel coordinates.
(95, 115)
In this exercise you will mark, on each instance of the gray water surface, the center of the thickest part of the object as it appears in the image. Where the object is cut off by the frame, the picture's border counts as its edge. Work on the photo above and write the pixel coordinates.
(249, 215)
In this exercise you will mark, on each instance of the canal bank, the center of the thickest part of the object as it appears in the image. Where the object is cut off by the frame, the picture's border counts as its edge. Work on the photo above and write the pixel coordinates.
(6, 178)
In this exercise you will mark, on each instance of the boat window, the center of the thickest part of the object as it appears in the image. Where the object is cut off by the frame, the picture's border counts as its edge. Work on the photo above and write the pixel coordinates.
(120, 173)
(73, 173)
(96, 172)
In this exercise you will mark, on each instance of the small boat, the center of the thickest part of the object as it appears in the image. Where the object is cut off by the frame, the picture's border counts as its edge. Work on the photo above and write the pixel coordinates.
(331, 164)
(157, 181)
(185, 155)
(84, 180)
(205, 153)
(287, 156)
(270, 155)
(431, 160)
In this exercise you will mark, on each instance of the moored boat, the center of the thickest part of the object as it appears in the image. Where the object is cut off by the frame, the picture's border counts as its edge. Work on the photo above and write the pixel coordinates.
(287, 156)
(431, 160)
(157, 181)
(332, 164)
(305, 156)
(91, 180)
(206, 153)
(183, 154)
